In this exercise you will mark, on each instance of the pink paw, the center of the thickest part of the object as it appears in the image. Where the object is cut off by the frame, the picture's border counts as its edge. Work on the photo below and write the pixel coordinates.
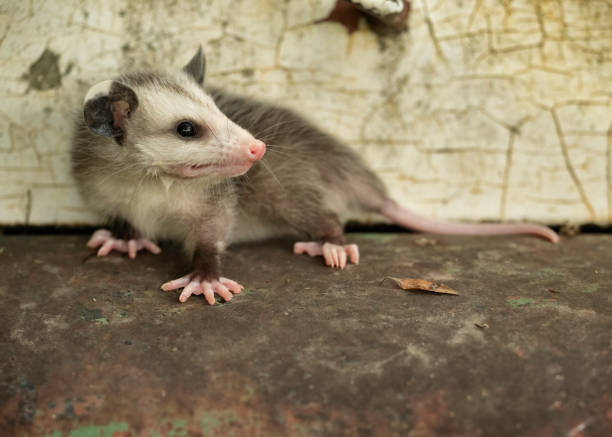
(335, 255)
(193, 285)
(105, 240)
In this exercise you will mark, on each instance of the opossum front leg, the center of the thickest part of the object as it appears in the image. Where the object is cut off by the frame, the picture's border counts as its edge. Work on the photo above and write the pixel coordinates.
(123, 238)
(205, 278)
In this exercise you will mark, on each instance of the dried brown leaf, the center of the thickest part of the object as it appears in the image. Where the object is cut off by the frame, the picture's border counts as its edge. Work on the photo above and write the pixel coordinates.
(422, 285)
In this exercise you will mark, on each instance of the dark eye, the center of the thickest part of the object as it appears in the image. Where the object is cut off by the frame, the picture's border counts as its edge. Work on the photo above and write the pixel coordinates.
(185, 129)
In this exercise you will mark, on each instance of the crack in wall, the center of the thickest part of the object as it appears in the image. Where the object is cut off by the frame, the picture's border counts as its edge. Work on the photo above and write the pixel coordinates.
(609, 171)
(570, 167)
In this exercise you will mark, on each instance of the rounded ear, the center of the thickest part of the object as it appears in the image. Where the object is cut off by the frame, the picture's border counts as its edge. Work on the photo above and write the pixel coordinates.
(107, 106)
(197, 66)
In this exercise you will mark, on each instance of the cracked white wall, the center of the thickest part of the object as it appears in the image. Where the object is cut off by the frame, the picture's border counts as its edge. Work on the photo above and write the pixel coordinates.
(483, 110)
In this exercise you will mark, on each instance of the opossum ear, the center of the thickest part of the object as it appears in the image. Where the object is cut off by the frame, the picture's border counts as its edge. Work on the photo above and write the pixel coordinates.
(107, 106)
(197, 66)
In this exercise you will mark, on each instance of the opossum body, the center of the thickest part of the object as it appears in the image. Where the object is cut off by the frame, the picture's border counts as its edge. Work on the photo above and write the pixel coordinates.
(162, 157)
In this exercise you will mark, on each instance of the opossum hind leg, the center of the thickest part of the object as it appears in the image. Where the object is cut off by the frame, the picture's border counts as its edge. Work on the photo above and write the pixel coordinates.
(335, 255)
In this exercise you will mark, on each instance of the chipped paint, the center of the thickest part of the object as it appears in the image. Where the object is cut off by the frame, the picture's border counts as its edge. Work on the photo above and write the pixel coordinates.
(100, 431)
(516, 302)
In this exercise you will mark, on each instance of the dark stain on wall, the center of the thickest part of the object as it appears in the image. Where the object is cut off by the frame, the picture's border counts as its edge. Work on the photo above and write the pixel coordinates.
(44, 73)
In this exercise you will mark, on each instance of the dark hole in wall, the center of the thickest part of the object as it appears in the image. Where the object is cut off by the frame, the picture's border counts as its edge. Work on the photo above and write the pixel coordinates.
(348, 14)
(350, 227)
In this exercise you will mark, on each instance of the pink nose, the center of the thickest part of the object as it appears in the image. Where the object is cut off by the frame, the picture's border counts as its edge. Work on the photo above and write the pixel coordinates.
(256, 150)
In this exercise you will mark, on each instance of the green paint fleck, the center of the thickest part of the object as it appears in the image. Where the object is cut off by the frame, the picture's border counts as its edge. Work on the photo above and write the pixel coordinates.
(213, 422)
(91, 314)
(516, 302)
(99, 431)
(102, 321)
(376, 236)
(54, 434)
(124, 293)
(591, 288)
(548, 271)
(478, 306)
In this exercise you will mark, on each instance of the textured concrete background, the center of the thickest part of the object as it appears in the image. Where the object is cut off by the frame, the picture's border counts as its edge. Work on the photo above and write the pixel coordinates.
(96, 349)
(483, 110)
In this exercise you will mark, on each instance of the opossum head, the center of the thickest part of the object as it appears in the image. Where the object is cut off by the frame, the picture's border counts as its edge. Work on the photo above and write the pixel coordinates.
(168, 123)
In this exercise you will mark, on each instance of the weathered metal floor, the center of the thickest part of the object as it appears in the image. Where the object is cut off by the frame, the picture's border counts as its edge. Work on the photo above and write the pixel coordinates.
(92, 347)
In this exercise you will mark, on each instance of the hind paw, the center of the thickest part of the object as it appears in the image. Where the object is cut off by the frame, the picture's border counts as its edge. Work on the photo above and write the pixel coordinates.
(335, 255)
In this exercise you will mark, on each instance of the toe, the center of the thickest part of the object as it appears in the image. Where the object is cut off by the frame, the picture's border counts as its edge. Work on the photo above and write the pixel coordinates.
(353, 252)
(311, 248)
(132, 249)
(334, 255)
(298, 248)
(233, 286)
(327, 255)
(209, 293)
(342, 257)
(98, 238)
(222, 291)
(106, 248)
(177, 283)
(188, 290)
(151, 247)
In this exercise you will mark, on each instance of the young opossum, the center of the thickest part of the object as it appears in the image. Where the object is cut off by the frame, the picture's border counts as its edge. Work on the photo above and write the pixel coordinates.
(161, 157)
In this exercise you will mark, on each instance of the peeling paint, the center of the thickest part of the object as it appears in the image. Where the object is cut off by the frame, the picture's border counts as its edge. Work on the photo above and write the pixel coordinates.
(44, 73)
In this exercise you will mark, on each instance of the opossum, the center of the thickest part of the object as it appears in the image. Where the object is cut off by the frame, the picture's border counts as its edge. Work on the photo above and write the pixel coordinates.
(163, 157)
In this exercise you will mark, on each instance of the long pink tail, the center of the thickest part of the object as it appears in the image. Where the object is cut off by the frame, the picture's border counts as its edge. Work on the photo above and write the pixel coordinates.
(408, 219)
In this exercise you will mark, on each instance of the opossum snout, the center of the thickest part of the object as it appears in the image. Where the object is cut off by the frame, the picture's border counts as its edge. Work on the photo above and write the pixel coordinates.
(256, 150)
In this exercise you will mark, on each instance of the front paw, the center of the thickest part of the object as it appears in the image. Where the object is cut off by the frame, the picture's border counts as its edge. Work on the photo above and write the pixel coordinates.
(104, 239)
(193, 284)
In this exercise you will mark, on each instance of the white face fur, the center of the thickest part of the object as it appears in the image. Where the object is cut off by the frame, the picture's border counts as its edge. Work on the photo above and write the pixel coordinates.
(177, 129)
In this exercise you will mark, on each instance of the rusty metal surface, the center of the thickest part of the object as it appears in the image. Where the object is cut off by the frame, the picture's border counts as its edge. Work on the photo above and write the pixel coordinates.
(92, 347)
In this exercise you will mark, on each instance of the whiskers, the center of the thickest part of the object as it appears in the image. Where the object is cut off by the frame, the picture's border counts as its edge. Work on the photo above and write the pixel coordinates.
(271, 172)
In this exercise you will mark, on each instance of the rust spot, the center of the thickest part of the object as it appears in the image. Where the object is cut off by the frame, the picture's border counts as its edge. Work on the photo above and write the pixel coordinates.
(346, 14)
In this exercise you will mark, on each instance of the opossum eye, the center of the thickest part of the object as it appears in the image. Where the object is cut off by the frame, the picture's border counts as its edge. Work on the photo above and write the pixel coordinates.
(186, 129)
